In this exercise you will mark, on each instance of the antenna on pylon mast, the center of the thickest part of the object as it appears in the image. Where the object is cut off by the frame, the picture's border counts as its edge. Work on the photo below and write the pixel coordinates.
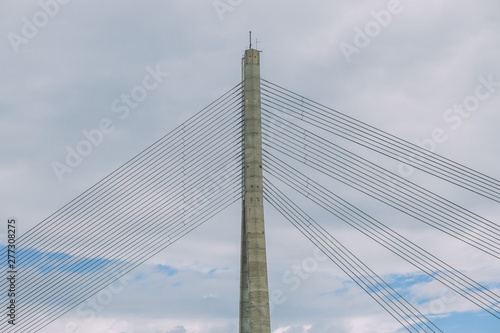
(250, 33)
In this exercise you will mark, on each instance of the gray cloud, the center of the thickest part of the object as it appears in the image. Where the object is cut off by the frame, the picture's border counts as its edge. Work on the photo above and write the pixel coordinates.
(64, 80)
(178, 329)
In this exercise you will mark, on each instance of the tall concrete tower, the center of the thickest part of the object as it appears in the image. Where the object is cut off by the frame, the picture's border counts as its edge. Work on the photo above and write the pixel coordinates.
(254, 294)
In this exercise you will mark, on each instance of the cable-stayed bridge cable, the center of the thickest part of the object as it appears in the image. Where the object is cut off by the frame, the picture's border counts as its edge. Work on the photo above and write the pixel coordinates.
(299, 107)
(101, 282)
(147, 157)
(405, 313)
(132, 238)
(385, 236)
(233, 180)
(309, 141)
(229, 131)
(220, 166)
(139, 176)
(484, 242)
(172, 171)
(477, 231)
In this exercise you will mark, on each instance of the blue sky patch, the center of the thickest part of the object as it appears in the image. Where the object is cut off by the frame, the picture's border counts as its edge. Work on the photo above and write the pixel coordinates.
(52, 262)
(166, 270)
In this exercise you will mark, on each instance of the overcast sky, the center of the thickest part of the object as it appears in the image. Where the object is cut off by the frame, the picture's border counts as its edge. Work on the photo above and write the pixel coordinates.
(61, 72)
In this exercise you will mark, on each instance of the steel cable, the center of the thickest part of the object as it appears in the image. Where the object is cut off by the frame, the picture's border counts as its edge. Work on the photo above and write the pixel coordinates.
(395, 304)
(382, 142)
(364, 181)
(384, 235)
